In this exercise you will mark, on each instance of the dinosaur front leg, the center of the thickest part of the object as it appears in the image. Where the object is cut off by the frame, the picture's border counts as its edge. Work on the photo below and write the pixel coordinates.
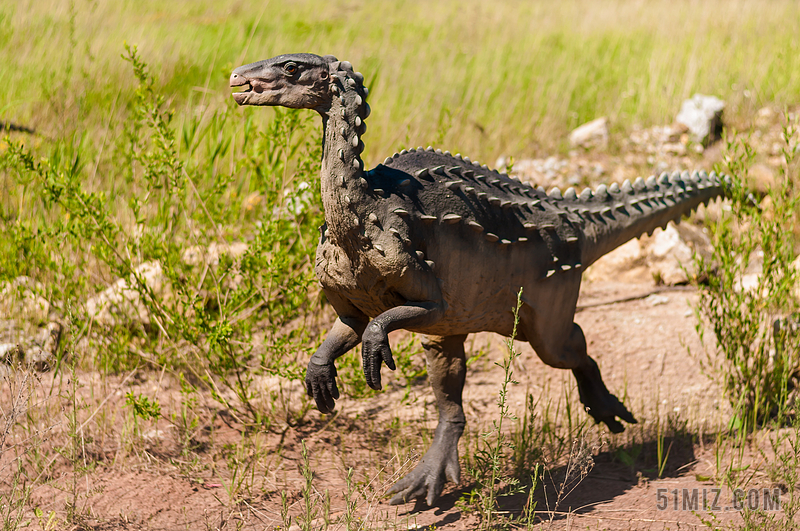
(447, 369)
(345, 334)
(376, 340)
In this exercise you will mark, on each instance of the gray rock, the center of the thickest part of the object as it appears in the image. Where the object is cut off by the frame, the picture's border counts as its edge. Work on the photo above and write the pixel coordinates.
(703, 116)
(594, 133)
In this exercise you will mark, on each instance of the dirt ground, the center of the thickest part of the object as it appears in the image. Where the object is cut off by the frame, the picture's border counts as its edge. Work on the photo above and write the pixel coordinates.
(640, 337)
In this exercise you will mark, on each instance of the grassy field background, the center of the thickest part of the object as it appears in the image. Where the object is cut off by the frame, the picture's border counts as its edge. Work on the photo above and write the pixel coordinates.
(481, 78)
(142, 162)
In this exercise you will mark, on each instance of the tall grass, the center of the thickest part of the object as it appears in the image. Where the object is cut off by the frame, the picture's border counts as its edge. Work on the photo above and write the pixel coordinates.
(480, 78)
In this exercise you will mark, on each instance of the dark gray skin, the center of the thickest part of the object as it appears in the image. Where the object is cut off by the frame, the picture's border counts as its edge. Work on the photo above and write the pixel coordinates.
(439, 245)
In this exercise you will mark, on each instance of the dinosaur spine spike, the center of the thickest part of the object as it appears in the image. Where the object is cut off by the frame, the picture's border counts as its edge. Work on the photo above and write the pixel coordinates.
(428, 219)
(396, 232)
(555, 193)
(341, 154)
(474, 225)
(378, 247)
(505, 242)
(586, 194)
(354, 141)
(453, 185)
(402, 212)
(550, 273)
(602, 192)
(387, 160)
(429, 148)
(451, 218)
(639, 184)
(469, 189)
(571, 239)
(570, 194)
(663, 178)
(566, 267)
(362, 181)
(351, 82)
(420, 255)
(614, 188)
(378, 191)
(522, 239)
(494, 201)
(491, 237)
(627, 187)
(438, 170)
(505, 204)
(372, 217)
(651, 182)
(347, 199)
(430, 263)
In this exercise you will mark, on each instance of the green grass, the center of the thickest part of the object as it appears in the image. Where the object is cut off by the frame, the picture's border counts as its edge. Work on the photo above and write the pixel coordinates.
(484, 79)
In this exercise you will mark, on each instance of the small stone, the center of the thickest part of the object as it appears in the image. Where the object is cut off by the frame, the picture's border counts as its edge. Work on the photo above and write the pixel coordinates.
(594, 133)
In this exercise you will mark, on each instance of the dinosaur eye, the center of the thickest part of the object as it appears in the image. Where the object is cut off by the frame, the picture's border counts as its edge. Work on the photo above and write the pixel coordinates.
(290, 68)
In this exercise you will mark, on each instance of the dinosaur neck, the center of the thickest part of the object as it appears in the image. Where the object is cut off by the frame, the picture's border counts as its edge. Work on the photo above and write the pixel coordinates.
(342, 175)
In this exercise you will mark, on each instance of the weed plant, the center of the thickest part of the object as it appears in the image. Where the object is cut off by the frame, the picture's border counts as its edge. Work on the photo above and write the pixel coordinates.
(758, 367)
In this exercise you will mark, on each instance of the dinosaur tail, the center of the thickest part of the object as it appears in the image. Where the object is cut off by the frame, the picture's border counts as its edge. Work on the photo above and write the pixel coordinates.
(617, 214)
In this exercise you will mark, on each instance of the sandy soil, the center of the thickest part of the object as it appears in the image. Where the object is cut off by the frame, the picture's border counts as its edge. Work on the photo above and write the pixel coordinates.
(640, 344)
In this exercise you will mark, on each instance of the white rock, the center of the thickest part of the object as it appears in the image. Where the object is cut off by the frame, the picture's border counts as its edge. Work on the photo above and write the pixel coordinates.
(669, 257)
(703, 116)
(594, 133)
(120, 302)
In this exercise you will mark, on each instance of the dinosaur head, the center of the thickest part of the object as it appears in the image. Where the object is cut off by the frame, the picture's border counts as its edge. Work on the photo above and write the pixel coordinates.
(299, 81)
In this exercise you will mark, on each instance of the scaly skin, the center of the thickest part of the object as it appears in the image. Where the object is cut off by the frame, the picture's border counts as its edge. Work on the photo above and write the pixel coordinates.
(440, 245)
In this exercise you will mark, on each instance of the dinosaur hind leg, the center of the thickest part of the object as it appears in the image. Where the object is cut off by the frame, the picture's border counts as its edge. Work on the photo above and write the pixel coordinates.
(563, 345)
(447, 369)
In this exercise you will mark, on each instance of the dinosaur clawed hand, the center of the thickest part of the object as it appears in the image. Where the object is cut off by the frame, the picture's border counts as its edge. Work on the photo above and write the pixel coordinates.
(375, 349)
(321, 384)
(598, 400)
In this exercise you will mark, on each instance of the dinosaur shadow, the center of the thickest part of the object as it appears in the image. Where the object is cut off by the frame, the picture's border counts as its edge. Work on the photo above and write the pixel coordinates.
(577, 488)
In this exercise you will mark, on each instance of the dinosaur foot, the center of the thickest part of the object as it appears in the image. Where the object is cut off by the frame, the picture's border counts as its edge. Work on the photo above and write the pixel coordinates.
(599, 402)
(427, 480)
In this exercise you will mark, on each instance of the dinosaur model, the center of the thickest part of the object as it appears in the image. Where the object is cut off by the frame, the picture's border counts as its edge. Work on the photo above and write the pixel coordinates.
(437, 244)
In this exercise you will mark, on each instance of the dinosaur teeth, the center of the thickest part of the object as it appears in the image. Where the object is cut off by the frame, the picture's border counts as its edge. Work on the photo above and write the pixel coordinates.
(491, 237)
(400, 212)
(451, 218)
(427, 219)
(477, 227)
(570, 194)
